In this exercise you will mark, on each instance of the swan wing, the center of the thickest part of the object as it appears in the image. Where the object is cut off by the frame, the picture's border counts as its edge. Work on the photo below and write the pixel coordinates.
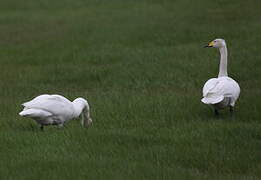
(212, 92)
(54, 104)
(210, 86)
(35, 113)
(231, 89)
(216, 89)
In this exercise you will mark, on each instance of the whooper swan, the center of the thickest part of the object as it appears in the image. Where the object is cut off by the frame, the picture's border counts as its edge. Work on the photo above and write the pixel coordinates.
(56, 110)
(223, 91)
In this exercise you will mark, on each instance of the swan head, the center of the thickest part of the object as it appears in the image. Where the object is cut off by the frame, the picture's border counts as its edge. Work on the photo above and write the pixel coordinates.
(82, 107)
(217, 43)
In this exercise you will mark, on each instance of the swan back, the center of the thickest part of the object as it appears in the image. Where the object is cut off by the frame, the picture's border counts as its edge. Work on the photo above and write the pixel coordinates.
(54, 104)
(216, 89)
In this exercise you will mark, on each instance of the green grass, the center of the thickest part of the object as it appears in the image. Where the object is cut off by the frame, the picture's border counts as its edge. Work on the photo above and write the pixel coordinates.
(141, 65)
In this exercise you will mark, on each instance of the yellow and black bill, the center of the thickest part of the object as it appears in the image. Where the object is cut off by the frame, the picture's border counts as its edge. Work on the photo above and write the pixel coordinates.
(211, 44)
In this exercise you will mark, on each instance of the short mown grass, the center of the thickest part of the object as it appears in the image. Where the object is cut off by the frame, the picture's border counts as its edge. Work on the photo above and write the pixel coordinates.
(142, 67)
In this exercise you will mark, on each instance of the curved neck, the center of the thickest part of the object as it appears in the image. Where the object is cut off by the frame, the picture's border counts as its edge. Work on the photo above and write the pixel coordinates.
(78, 108)
(223, 62)
(82, 107)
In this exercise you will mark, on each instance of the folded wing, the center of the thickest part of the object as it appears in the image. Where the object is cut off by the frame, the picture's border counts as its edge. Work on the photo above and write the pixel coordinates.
(53, 104)
(216, 89)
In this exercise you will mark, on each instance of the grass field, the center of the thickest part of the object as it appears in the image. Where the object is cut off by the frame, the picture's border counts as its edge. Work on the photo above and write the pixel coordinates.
(141, 65)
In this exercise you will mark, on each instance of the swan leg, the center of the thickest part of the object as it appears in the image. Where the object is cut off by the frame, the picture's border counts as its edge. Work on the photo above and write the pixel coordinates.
(216, 112)
(231, 110)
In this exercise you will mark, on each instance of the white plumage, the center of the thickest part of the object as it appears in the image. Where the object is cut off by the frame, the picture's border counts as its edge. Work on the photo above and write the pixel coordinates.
(223, 91)
(216, 89)
(56, 110)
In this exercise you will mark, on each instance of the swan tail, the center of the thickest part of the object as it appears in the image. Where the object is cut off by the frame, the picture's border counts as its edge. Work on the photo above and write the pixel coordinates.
(212, 99)
(34, 113)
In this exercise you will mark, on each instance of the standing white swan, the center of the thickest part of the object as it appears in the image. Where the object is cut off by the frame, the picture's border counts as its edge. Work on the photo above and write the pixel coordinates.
(223, 91)
(56, 110)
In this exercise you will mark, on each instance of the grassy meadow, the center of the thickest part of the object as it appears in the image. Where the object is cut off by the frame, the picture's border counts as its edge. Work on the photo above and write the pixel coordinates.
(141, 65)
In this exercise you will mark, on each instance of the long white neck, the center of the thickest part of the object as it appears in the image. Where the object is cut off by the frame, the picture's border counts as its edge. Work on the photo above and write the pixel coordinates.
(78, 108)
(81, 106)
(223, 62)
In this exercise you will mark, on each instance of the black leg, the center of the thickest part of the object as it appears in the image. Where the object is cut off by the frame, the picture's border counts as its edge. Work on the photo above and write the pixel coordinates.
(231, 109)
(42, 127)
(216, 112)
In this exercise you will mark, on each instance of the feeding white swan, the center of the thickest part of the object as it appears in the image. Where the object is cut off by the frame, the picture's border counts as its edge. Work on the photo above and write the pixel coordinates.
(223, 91)
(56, 110)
